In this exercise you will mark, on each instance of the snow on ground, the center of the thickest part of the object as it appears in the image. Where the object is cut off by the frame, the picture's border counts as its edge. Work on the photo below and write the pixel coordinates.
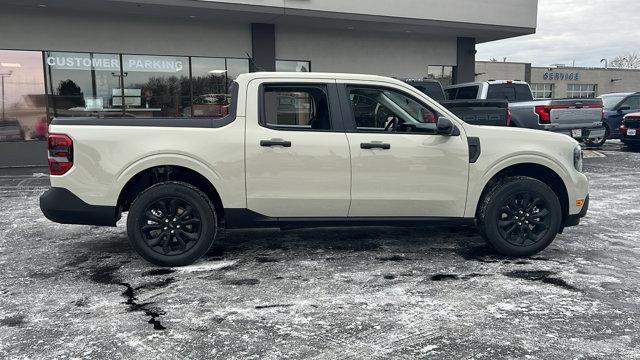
(79, 291)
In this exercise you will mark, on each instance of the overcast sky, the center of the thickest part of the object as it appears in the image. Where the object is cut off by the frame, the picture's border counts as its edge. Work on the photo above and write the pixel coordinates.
(582, 30)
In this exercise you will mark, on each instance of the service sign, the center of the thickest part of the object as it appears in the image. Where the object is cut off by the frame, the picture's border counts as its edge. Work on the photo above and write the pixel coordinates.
(562, 76)
(111, 62)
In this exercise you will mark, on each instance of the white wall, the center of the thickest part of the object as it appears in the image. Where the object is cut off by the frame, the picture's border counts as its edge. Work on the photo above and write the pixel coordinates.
(517, 13)
(58, 30)
(389, 54)
(500, 71)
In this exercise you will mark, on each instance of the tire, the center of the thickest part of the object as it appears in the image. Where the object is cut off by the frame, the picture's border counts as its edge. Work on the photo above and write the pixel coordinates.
(599, 142)
(172, 224)
(510, 207)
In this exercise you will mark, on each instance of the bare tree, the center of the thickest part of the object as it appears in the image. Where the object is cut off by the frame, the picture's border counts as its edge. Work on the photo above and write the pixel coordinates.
(628, 61)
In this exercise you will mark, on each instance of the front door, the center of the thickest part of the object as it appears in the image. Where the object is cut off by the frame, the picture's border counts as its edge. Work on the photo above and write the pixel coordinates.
(400, 167)
(297, 154)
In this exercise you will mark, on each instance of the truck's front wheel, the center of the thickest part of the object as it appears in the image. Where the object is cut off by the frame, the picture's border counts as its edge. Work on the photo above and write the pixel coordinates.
(172, 224)
(520, 216)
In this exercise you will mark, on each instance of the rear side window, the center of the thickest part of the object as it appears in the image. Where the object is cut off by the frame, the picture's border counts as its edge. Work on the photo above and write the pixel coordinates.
(296, 107)
(467, 93)
(431, 89)
(463, 93)
(510, 92)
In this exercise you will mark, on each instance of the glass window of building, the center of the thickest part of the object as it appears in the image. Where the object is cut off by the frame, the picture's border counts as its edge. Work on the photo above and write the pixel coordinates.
(155, 86)
(542, 91)
(23, 100)
(293, 66)
(582, 91)
(83, 84)
(210, 90)
(236, 67)
(442, 73)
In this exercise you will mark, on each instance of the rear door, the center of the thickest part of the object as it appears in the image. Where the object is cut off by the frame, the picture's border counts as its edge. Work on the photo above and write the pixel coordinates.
(397, 172)
(297, 154)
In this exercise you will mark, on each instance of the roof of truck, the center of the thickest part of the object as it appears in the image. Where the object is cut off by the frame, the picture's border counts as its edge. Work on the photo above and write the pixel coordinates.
(314, 75)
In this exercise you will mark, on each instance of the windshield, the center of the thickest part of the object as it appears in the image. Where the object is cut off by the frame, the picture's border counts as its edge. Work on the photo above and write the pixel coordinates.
(611, 101)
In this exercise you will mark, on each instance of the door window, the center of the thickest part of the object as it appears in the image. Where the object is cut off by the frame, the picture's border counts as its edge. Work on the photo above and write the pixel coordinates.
(296, 107)
(381, 109)
(632, 102)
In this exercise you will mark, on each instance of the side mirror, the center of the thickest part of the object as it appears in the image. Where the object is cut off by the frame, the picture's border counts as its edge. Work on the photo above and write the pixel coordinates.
(624, 108)
(445, 127)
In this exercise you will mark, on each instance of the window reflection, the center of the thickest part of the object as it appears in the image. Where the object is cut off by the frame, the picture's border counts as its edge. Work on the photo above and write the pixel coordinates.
(155, 86)
(293, 66)
(114, 85)
(23, 101)
(209, 81)
(83, 84)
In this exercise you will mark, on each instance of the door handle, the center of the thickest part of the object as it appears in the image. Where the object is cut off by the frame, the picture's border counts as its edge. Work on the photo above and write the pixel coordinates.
(274, 142)
(372, 145)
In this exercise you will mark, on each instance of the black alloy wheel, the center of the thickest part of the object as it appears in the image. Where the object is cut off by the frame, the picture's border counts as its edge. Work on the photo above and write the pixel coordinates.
(172, 224)
(519, 216)
(523, 219)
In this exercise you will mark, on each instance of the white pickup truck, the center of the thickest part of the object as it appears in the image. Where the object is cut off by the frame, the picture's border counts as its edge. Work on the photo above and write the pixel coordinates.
(312, 150)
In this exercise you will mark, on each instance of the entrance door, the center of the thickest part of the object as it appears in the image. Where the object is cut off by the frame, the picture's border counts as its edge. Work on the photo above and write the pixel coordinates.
(400, 167)
(297, 155)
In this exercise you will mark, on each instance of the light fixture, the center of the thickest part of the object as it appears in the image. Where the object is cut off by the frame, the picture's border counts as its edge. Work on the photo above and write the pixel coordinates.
(192, 16)
(42, 5)
(217, 72)
(10, 65)
(350, 27)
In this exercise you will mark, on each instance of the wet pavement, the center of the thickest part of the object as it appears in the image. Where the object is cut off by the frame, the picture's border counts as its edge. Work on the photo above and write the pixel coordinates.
(365, 293)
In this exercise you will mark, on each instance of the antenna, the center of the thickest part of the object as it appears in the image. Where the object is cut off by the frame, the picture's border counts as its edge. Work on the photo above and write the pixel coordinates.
(253, 63)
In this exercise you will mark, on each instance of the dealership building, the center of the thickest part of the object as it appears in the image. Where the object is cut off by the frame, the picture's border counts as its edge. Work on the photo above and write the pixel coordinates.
(176, 58)
(560, 81)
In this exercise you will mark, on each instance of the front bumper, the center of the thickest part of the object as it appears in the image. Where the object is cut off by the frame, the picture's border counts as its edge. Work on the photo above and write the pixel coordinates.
(574, 220)
(62, 206)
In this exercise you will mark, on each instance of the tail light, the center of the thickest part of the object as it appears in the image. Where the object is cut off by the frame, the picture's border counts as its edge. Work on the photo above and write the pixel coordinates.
(544, 111)
(60, 154)
(508, 117)
(544, 114)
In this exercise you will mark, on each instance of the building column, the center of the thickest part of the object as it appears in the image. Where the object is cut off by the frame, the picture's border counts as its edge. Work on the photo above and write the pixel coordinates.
(465, 71)
(263, 45)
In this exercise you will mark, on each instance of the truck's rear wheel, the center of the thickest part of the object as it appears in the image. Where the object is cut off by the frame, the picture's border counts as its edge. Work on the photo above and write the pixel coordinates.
(172, 224)
(520, 216)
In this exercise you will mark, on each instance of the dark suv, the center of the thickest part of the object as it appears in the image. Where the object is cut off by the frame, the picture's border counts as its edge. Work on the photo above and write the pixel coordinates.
(616, 106)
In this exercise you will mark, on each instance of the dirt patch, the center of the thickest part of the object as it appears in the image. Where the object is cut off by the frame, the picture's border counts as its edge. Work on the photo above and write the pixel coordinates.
(542, 276)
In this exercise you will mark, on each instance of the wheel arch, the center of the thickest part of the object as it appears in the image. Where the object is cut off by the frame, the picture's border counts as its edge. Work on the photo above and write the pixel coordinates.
(147, 177)
(533, 170)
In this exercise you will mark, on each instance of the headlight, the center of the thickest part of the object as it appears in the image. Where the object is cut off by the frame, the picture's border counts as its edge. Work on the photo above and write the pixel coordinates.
(577, 158)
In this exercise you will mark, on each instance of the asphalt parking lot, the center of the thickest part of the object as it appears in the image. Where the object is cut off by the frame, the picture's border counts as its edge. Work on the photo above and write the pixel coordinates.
(79, 291)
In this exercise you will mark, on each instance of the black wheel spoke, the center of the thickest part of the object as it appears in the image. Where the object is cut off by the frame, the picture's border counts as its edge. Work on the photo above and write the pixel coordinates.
(518, 224)
(189, 236)
(187, 211)
(151, 216)
(170, 226)
(192, 221)
(181, 242)
(506, 223)
(156, 240)
(151, 227)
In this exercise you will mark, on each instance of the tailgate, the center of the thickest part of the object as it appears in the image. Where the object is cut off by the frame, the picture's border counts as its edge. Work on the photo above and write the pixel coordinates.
(479, 112)
(576, 114)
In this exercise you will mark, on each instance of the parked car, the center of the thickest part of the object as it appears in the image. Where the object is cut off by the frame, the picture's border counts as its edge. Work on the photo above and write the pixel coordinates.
(472, 111)
(578, 118)
(11, 130)
(616, 106)
(630, 130)
(182, 181)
